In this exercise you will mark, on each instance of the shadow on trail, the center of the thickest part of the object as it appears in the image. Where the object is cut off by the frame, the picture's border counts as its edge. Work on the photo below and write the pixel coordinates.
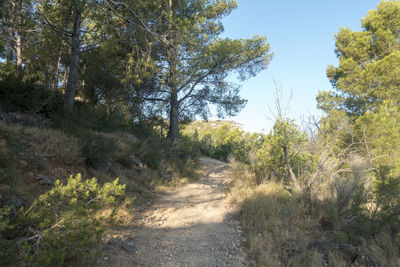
(190, 226)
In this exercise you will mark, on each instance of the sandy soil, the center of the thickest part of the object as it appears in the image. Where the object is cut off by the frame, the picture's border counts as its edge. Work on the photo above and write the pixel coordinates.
(191, 226)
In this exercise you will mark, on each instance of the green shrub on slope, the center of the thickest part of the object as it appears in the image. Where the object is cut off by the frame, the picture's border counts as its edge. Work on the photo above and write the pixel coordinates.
(61, 227)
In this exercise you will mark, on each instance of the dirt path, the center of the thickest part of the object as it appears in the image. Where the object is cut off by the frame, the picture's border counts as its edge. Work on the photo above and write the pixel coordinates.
(191, 226)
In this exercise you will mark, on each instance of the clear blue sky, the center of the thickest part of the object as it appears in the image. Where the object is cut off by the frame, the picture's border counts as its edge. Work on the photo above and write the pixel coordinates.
(301, 35)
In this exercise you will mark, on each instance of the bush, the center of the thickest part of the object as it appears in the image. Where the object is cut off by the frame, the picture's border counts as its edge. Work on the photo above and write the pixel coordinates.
(60, 227)
(151, 151)
(95, 118)
(6, 157)
(97, 148)
(29, 97)
(183, 156)
(219, 139)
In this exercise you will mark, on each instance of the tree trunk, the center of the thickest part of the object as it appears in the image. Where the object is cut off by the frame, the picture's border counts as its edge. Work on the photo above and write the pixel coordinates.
(292, 176)
(174, 117)
(173, 132)
(54, 86)
(65, 78)
(10, 52)
(15, 41)
(18, 54)
(74, 64)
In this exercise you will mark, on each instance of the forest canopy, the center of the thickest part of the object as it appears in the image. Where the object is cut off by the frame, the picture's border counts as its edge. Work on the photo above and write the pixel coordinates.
(145, 59)
(369, 63)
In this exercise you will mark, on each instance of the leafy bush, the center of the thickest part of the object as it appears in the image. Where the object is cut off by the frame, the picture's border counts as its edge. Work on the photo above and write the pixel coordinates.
(151, 151)
(96, 118)
(183, 156)
(219, 139)
(96, 148)
(30, 97)
(270, 159)
(6, 157)
(60, 227)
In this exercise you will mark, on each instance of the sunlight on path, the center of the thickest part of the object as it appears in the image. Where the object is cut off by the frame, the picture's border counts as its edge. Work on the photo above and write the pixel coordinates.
(191, 226)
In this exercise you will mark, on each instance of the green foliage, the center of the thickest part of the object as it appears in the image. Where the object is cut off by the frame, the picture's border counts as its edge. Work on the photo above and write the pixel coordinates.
(61, 227)
(183, 157)
(341, 237)
(270, 156)
(381, 145)
(335, 132)
(369, 63)
(263, 154)
(386, 194)
(365, 202)
(90, 117)
(219, 139)
(6, 156)
(153, 158)
(152, 150)
(363, 120)
(376, 206)
(96, 148)
(29, 97)
(193, 71)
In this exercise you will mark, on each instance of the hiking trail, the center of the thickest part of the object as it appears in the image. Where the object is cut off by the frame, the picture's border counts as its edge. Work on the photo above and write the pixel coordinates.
(190, 226)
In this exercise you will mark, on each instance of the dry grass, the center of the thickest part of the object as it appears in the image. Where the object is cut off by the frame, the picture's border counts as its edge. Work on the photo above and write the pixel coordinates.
(289, 230)
(54, 144)
(122, 215)
(49, 143)
(279, 230)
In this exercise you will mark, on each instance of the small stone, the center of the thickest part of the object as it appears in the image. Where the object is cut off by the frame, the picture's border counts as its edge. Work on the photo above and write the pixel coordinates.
(129, 246)
(44, 180)
(113, 241)
(138, 163)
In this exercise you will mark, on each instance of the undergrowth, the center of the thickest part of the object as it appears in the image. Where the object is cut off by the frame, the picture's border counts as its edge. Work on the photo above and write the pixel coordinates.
(297, 229)
(64, 226)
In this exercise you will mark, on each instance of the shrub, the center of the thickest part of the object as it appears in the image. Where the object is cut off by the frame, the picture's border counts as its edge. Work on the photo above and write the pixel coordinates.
(96, 118)
(59, 228)
(153, 158)
(30, 97)
(96, 148)
(152, 151)
(183, 156)
(270, 158)
(218, 139)
(6, 157)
